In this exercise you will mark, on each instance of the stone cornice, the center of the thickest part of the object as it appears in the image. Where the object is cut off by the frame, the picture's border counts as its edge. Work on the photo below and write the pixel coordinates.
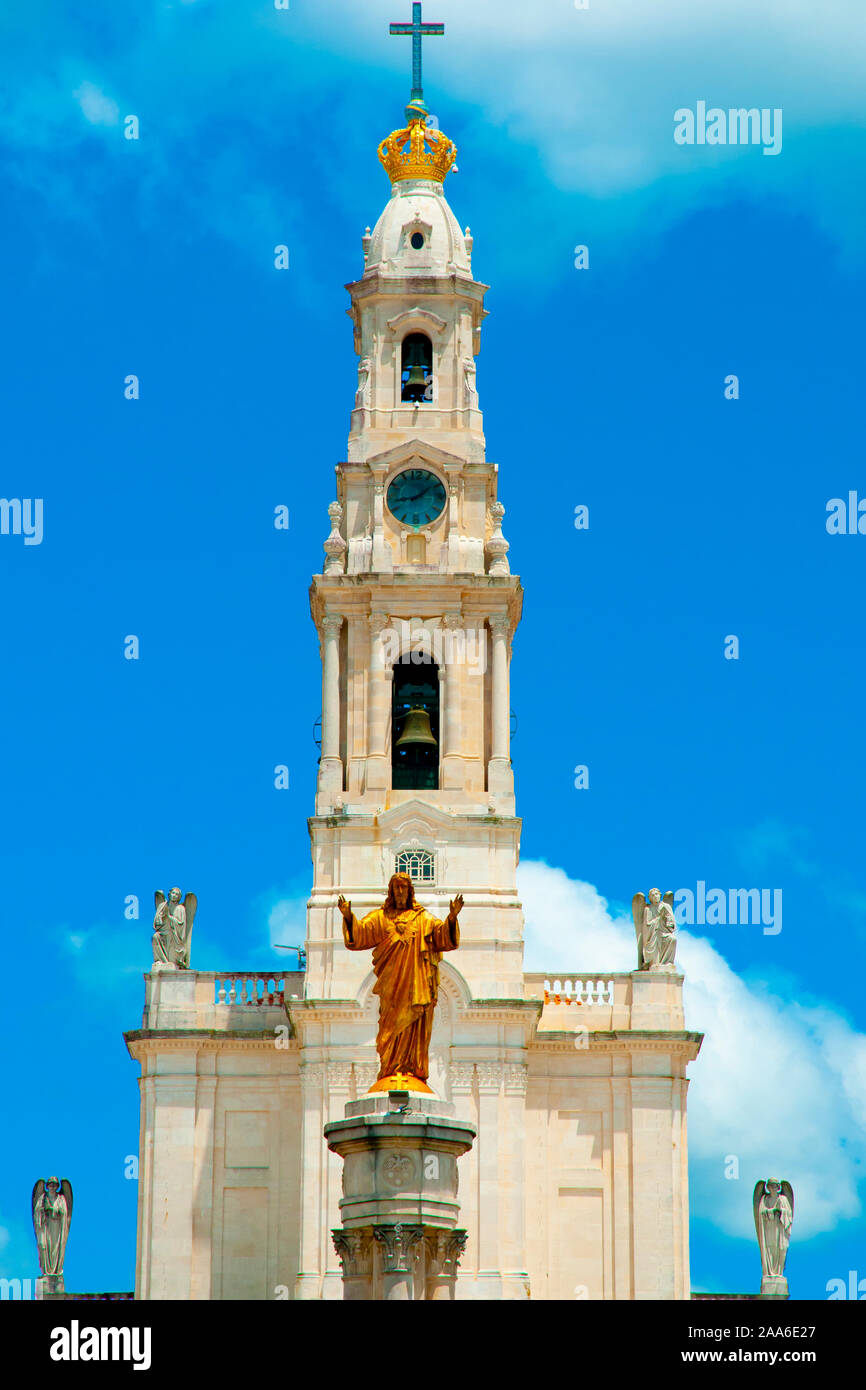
(142, 1041)
(677, 1043)
(376, 285)
(387, 584)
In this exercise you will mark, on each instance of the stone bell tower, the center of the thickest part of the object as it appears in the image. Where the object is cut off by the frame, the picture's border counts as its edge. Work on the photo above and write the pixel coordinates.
(416, 606)
(574, 1088)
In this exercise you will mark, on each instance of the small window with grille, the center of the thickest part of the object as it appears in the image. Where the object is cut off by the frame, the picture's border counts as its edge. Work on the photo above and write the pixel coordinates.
(419, 864)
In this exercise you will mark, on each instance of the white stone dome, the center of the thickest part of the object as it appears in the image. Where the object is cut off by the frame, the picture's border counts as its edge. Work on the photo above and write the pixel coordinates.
(417, 209)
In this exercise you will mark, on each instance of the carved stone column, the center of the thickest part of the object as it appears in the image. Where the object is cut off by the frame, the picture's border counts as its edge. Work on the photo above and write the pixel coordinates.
(442, 1251)
(400, 1247)
(500, 778)
(330, 764)
(378, 776)
(355, 1251)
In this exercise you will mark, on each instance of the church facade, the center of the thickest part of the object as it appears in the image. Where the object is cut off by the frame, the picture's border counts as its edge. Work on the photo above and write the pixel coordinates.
(576, 1185)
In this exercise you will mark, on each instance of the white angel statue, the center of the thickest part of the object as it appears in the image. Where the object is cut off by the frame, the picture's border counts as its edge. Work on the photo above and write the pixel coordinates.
(656, 930)
(52, 1211)
(172, 929)
(773, 1205)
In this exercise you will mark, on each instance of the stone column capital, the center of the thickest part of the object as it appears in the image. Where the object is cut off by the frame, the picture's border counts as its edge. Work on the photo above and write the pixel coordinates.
(400, 1246)
(500, 624)
(355, 1252)
(339, 1074)
(490, 1076)
(462, 1074)
(443, 1249)
(312, 1075)
(516, 1077)
(331, 624)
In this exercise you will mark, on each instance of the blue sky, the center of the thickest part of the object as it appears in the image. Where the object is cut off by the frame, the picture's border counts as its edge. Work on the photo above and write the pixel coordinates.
(602, 387)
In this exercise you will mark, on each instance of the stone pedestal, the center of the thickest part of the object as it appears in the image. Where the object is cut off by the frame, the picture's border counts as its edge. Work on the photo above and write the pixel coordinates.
(774, 1286)
(50, 1286)
(399, 1240)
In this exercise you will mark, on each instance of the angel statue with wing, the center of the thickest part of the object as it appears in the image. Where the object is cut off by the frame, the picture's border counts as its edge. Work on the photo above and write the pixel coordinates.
(52, 1212)
(656, 930)
(172, 929)
(773, 1205)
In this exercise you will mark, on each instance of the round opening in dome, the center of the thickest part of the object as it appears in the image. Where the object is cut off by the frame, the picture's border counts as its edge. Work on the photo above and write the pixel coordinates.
(417, 240)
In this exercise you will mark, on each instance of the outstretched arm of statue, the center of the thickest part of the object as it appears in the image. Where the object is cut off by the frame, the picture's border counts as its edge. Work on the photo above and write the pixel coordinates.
(450, 939)
(348, 918)
(359, 935)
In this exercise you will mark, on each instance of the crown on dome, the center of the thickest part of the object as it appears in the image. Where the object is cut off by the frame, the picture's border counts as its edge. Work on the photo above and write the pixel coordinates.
(417, 151)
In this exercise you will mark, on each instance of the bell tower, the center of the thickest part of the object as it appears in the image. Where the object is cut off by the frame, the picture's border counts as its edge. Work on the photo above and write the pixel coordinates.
(416, 606)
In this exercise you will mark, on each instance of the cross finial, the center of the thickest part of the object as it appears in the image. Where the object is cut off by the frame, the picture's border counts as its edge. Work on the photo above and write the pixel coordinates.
(418, 31)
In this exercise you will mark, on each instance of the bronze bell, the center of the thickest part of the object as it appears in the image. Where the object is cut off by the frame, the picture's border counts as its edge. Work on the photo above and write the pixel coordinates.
(416, 729)
(417, 376)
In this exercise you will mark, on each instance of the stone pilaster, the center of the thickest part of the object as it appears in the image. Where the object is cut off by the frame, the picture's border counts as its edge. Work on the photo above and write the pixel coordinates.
(378, 775)
(500, 777)
(330, 780)
(308, 1284)
(451, 678)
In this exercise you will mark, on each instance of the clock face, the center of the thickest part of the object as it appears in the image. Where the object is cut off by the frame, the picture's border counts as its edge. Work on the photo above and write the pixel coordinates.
(416, 497)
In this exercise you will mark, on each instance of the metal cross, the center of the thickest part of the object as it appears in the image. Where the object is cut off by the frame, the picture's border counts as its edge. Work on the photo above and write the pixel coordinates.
(418, 31)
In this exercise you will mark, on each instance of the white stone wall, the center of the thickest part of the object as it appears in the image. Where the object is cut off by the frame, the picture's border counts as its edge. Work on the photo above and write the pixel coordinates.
(575, 1187)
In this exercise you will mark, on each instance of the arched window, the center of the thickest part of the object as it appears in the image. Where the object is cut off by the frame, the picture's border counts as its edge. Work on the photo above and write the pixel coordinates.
(415, 723)
(416, 368)
(419, 864)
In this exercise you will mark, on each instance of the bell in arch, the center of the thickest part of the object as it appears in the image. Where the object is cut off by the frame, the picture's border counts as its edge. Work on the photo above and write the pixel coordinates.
(416, 729)
(416, 364)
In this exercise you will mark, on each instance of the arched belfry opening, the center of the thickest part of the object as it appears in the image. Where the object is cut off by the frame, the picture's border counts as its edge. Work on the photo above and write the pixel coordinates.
(416, 368)
(415, 724)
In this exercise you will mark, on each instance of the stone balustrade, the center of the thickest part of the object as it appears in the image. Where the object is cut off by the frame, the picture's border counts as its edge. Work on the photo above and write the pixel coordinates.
(255, 989)
(578, 991)
(222, 1000)
(642, 1000)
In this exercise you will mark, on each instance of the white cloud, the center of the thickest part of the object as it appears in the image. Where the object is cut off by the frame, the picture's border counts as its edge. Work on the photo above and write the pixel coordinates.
(96, 107)
(780, 1083)
(595, 91)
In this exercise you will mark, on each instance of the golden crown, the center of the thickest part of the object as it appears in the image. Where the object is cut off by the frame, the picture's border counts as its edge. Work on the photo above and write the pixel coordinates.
(417, 152)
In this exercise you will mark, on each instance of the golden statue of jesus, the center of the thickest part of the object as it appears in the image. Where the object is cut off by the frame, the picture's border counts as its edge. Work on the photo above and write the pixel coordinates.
(407, 946)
